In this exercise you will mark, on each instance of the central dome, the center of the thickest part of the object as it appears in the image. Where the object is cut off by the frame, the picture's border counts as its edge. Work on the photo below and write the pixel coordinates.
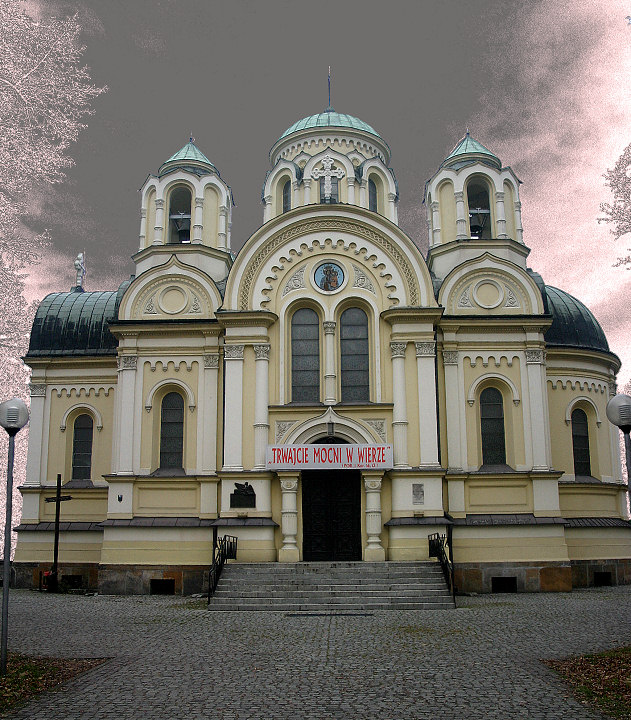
(330, 118)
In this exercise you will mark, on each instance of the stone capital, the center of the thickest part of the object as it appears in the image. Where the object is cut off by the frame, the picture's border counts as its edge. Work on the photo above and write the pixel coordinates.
(459, 196)
(159, 204)
(450, 357)
(289, 484)
(233, 352)
(127, 362)
(329, 327)
(261, 352)
(37, 389)
(211, 361)
(425, 348)
(397, 349)
(535, 357)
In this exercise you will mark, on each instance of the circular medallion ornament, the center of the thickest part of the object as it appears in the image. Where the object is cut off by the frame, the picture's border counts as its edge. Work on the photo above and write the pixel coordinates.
(329, 277)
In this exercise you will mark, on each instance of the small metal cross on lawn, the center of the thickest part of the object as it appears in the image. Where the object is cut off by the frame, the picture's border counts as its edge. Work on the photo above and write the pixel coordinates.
(58, 499)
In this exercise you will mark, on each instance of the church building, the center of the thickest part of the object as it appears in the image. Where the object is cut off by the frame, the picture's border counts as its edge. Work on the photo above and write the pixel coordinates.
(329, 393)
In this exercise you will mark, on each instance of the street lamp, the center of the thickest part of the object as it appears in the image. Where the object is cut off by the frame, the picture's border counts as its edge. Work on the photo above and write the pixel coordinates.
(13, 417)
(619, 413)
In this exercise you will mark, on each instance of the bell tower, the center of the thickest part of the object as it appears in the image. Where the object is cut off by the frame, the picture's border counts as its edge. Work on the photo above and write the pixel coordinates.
(473, 207)
(187, 211)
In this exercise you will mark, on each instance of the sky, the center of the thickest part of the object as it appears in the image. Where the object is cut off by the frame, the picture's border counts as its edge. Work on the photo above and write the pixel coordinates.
(542, 84)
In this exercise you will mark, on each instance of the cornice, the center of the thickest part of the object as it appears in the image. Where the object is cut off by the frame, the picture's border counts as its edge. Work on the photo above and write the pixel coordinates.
(246, 318)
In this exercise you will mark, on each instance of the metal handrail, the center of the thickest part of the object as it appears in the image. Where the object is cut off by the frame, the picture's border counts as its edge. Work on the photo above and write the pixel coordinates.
(440, 548)
(223, 549)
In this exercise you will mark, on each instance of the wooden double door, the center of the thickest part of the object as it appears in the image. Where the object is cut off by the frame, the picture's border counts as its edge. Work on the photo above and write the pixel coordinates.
(331, 515)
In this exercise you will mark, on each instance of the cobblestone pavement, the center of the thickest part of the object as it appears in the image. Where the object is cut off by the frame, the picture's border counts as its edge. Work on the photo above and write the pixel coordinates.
(170, 658)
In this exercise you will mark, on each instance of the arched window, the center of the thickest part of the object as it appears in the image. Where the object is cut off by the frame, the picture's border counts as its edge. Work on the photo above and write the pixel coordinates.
(479, 210)
(180, 215)
(305, 356)
(372, 195)
(82, 448)
(580, 443)
(172, 431)
(492, 427)
(287, 196)
(355, 365)
(334, 197)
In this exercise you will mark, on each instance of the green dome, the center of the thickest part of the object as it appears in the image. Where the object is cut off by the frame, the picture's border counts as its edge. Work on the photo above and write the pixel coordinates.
(190, 156)
(76, 323)
(573, 324)
(470, 149)
(330, 118)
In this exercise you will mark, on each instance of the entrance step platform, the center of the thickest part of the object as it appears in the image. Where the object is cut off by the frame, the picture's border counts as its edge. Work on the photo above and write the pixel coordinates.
(333, 586)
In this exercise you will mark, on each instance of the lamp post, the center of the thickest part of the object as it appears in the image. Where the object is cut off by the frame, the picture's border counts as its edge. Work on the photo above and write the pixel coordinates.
(619, 413)
(13, 417)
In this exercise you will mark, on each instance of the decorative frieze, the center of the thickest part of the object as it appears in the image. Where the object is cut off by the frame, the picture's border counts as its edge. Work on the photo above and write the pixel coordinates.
(511, 298)
(233, 352)
(195, 305)
(150, 308)
(295, 282)
(425, 349)
(261, 352)
(379, 426)
(465, 300)
(282, 426)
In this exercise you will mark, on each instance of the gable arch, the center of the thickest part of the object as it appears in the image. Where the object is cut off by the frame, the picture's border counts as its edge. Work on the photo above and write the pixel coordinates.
(347, 429)
(76, 410)
(167, 385)
(490, 380)
(581, 402)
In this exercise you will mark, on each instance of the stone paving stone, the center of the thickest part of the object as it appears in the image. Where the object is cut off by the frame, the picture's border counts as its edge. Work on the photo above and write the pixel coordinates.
(173, 659)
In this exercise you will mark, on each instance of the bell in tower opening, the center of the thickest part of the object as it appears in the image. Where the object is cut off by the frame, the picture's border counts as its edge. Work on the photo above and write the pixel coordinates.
(180, 216)
(479, 210)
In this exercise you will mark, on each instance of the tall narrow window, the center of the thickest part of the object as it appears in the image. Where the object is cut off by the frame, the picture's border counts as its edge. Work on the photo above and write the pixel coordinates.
(479, 210)
(372, 195)
(180, 216)
(355, 366)
(287, 196)
(580, 443)
(334, 197)
(305, 356)
(172, 431)
(82, 448)
(492, 426)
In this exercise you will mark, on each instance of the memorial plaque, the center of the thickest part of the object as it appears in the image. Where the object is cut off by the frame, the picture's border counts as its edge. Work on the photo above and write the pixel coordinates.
(418, 494)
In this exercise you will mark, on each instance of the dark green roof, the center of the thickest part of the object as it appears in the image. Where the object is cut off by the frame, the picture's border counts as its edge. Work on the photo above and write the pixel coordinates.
(573, 325)
(188, 156)
(76, 323)
(330, 118)
(469, 149)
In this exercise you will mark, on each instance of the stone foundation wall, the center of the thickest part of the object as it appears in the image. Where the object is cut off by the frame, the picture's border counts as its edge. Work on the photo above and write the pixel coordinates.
(590, 573)
(528, 577)
(30, 575)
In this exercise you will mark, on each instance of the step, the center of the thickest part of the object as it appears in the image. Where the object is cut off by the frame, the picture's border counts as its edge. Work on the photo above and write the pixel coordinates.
(305, 607)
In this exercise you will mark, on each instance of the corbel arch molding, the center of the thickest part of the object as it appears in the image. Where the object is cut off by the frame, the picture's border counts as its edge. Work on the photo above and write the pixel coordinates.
(200, 297)
(349, 227)
(516, 292)
(76, 410)
(345, 428)
(174, 383)
(488, 378)
(581, 400)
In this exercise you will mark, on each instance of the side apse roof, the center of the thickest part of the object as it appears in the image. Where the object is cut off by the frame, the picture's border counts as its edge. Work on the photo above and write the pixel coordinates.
(190, 153)
(76, 323)
(470, 146)
(330, 118)
(573, 324)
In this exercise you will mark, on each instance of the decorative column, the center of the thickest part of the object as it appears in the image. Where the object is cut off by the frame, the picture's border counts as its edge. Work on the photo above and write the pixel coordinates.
(207, 415)
(233, 424)
(461, 218)
(127, 365)
(198, 220)
(307, 184)
(535, 367)
(295, 200)
(363, 193)
(350, 182)
(35, 473)
(222, 235)
(399, 411)
(261, 405)
(289, 517)
(330, 378)
(435, 208)
(452, 397)
(143, 227)
(426, 370)
(519, 231)
(374, 549)
(501, 215)
(158, 229)
(267, 209)
(392, 207)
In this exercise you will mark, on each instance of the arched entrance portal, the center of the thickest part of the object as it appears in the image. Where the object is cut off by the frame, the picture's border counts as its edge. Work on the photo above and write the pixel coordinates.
(331, 512)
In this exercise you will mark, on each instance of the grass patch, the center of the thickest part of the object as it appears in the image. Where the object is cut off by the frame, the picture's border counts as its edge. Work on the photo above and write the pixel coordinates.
(28, 676)
(603, 679)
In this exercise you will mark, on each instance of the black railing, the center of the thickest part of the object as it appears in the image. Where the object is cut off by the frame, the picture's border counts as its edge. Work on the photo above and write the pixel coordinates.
(440, 547)
(223, 549)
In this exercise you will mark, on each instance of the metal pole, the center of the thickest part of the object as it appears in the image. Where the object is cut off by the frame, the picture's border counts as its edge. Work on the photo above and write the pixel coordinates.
(6, 579)
(53, 573)
(627, 447)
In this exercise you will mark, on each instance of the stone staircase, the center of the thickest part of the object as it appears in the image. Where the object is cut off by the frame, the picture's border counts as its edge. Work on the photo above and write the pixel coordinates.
(332, 586)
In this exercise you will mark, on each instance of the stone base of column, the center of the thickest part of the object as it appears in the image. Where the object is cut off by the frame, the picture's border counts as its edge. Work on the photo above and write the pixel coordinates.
(374, 554)
(289, 555)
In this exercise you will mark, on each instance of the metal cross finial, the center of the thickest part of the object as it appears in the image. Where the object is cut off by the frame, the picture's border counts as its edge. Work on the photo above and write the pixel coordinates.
(329, 105)
(191, 138)
(327, 173)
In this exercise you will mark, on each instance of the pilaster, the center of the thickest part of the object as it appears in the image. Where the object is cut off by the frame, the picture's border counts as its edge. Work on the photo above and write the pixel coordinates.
(233, 424)
(399, 411)
(374, 551)
(330, 377)
(158, 229)
(289, 517)
(261, 404)
(426, 371)
(461, 218)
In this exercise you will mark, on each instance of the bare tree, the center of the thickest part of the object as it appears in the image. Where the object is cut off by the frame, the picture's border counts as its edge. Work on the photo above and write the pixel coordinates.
(44, 94)
(618, 213)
